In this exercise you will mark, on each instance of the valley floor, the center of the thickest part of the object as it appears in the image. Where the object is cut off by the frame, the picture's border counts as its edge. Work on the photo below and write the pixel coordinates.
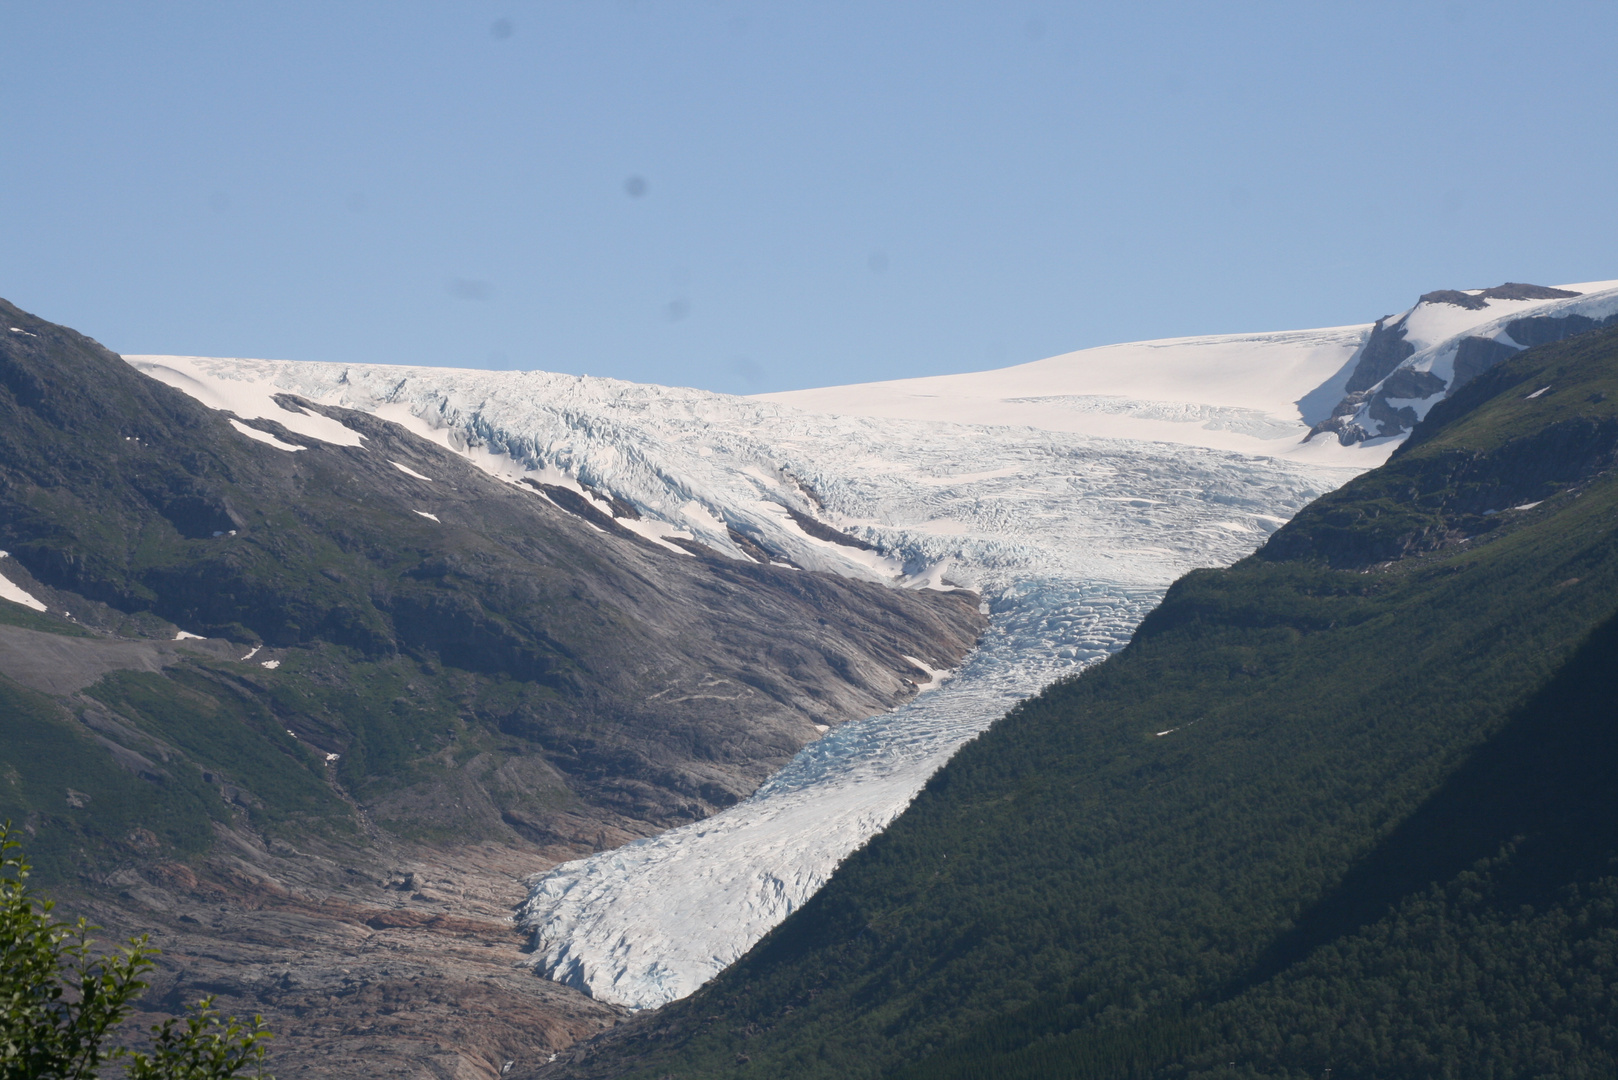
(406, 966)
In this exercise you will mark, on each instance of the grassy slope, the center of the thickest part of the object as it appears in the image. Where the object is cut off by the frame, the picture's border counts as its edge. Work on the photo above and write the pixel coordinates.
(115, 496)
(217, 743)
(1077, 895)
(173, 808)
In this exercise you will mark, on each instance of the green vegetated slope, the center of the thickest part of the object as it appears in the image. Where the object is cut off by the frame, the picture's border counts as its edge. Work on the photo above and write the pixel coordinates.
(501, 670)
(46, 755)
(1349, 804)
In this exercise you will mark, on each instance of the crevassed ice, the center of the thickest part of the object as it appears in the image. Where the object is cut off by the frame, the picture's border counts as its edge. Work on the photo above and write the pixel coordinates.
(1070, 537)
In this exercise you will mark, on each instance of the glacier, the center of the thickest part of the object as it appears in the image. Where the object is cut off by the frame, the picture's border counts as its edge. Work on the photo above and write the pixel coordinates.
(1069, 493)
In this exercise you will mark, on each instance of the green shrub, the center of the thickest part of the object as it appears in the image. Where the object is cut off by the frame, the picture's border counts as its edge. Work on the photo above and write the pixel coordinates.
(61, 1002)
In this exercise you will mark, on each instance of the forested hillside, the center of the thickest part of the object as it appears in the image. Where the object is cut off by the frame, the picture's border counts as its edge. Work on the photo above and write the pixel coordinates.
(1349, 804)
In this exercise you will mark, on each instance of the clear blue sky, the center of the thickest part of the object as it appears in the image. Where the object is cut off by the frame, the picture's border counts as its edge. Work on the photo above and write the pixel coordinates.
(753, 197)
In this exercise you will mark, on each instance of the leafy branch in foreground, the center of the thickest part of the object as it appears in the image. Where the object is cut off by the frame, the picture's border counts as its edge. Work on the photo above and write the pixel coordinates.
(202, 1046)
(60, 1002)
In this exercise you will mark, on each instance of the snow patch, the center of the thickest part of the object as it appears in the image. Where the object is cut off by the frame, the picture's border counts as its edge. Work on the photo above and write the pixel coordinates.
(242, 393)
(10, 590)
(935, 676)
(183, 635)
(425, 514)
(408, 471)
(262, 436)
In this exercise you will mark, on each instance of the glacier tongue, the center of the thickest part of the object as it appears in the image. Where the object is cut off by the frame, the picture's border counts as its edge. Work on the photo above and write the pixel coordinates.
(651, 922)
(1071, 531)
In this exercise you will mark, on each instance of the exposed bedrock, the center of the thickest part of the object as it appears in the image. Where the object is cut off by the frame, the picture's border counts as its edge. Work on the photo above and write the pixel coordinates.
(1383, 387)
(1384, 350)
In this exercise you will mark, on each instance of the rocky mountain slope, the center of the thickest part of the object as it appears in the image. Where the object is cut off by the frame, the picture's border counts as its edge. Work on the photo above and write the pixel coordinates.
(1345, 805)
(255, 665)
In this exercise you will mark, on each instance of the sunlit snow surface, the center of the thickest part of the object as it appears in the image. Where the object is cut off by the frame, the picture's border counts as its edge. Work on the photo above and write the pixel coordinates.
(10, 590)
(1090, 483)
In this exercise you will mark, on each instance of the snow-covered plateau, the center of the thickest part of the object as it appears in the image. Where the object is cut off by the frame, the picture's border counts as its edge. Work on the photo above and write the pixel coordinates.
(1069, 492)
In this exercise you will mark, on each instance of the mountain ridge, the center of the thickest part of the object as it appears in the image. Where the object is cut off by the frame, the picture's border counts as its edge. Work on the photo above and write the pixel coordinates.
(1391, 386)
(434, 465)
(261, 545)
(1069, 534)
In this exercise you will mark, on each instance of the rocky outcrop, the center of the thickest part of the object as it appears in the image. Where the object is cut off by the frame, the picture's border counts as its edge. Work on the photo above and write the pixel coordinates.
(1544, 329)
(1479, 299)
(1473, 356)
(1439, 491)
(1383, 391)
(1516, 290)
(1384, 350)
